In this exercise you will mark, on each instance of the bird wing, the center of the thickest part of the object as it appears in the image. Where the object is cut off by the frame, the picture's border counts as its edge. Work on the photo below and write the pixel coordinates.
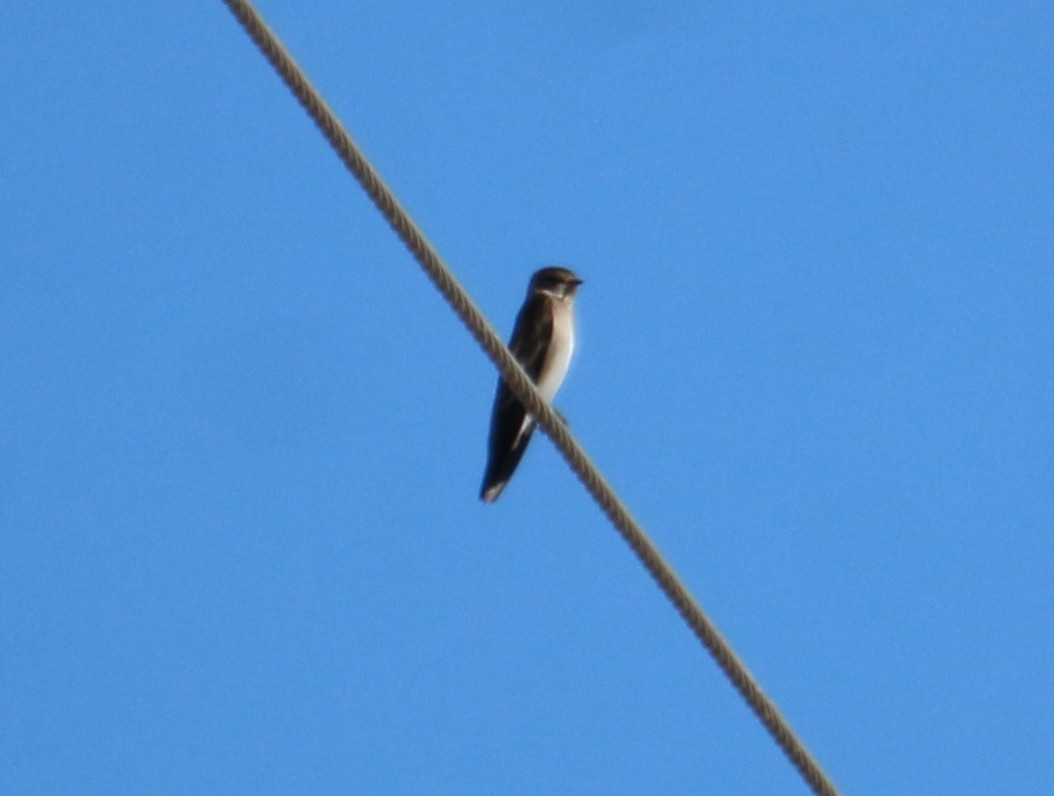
(511, 426)
(529, 346)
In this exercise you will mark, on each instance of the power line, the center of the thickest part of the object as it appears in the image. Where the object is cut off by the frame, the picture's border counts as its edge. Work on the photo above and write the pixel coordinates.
(427, 257)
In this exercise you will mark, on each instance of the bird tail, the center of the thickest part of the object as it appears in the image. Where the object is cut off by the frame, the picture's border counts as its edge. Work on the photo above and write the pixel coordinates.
(500, 467)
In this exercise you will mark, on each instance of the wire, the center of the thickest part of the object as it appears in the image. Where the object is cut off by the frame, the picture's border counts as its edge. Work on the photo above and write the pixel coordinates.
(514, 375)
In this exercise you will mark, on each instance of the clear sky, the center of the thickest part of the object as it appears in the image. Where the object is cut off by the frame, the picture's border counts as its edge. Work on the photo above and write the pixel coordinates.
(241, 437)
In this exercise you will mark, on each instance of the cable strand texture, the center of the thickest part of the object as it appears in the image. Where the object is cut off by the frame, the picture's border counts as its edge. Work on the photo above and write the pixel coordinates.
(548, 420)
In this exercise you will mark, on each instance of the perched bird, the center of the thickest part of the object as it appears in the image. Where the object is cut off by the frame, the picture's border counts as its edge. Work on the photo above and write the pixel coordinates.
(542, 342)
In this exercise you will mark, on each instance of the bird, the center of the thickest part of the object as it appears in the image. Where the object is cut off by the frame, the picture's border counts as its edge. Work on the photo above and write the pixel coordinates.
(543, 341)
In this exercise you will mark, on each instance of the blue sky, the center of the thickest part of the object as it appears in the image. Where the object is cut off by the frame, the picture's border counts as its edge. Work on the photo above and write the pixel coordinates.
(241, 437)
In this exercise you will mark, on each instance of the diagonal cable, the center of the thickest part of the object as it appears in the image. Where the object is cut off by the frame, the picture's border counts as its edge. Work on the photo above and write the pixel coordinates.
(426, 256)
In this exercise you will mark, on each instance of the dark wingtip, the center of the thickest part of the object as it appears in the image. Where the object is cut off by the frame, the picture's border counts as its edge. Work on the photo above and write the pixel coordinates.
(490, 492)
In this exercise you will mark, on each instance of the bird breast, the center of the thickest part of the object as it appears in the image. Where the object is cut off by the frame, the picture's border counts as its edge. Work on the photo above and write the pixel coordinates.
(558, 359)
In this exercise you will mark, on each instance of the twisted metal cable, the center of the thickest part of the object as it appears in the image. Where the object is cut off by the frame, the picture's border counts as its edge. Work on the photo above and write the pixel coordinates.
(485, 335)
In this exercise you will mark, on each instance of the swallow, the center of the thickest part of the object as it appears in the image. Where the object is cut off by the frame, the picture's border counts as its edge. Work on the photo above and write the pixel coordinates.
(543, 341)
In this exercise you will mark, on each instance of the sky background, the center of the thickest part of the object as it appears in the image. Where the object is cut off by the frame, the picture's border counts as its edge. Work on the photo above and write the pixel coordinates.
(241, 437)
